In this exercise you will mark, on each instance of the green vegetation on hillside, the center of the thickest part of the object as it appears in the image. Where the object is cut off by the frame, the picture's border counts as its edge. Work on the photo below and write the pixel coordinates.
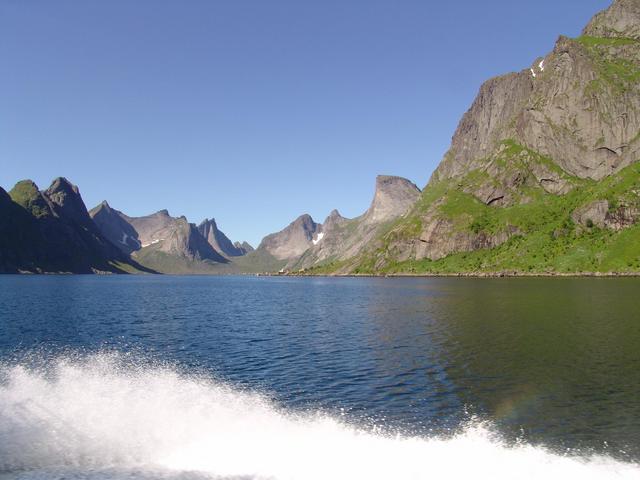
(614, 69)
(546, 239)
(26, 194)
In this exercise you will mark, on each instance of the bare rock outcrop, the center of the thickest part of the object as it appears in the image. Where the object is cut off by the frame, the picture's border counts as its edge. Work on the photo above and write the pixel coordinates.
(601, 214)
(579, 105)
(293, 240)
(218, 240)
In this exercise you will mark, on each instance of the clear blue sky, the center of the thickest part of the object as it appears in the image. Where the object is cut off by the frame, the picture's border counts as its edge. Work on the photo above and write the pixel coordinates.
(251, 111)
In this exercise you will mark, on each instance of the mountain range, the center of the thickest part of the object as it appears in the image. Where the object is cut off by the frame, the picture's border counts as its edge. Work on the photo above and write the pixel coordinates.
(542, 177)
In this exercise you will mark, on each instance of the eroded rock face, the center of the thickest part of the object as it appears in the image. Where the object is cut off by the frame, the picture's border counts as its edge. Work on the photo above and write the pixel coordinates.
(343, 238)
(65, 200)
(184, 240)
(245, 247)
(482, 126)
(600, 213)
(305, 243)
(440, 237)
(621, 20)
(573, 115)
(393, 197)
(51, 231)
(112, 224)
(292, 241)
(579, 105)
(218, 240)
(158, 232)
(154, 228)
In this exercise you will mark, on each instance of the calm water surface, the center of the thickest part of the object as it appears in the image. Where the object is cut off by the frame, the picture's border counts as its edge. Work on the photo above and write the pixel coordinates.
(549, 363)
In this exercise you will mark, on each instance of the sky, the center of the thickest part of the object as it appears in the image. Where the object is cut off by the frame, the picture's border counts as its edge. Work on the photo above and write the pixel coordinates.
(251, 112)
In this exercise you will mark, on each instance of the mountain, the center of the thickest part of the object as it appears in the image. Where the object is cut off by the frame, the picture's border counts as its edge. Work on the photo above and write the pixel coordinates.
(293, 240)
(51, 231)
(159, 241)
(341, 238)
(244, 247)
(113, 225)
(219, 241)
(304, 244)
(542, 173)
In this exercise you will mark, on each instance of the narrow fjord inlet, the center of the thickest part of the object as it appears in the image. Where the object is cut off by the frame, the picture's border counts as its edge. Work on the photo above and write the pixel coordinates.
(471, 311)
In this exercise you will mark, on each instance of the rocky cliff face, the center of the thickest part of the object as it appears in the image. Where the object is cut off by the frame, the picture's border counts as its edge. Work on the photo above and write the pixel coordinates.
(113, 225)
(621, 20)
(51, 231)
(341, 238)
(393, 197)
(244, 247)
(556, 135)
(219, 241)
(579, 106)
(159, 241)
(293, 240)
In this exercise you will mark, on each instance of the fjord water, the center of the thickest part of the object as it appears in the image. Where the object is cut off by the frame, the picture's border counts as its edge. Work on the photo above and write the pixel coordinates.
(314, 378)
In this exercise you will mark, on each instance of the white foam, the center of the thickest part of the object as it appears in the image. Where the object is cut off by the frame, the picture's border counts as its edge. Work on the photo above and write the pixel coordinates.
(97, 414)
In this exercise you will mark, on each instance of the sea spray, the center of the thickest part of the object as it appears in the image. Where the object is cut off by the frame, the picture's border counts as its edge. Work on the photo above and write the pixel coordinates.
(97, 413)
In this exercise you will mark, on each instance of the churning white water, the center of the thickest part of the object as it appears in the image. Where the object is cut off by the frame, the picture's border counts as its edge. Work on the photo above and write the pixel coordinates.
(99, 418)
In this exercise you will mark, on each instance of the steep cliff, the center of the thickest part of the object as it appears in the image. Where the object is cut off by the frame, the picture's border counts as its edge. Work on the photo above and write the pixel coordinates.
(51, 231)
(159, 241)
(219, 241)
(342, 238)
(536, 150)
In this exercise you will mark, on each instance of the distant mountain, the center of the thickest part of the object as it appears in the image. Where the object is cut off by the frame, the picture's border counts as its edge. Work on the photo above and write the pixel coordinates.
(219, 241)
(51, 231)
(113, 225)
(244, 247)
(343, 238)
(293, 240)
(305, 243)
(159, 241)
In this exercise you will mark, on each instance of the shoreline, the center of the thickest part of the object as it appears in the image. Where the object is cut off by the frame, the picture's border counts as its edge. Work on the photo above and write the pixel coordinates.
(506, 274)
(462, 275)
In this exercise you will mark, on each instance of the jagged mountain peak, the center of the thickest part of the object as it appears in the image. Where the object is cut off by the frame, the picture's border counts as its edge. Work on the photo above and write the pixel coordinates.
(293, 240)
(218, 240)
(102, 206)
(245, 246)
(61, 184)
(333, 220)
(66, 201)
(211, 221)
(114, 226)
(60, 235)
(306, 221)
(620, 20)
(393, 197)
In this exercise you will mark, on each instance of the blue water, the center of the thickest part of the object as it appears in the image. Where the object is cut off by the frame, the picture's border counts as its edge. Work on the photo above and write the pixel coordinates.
(551, 365)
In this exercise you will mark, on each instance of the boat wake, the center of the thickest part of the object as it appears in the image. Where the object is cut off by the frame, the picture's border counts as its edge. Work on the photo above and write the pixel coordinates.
(99, 416)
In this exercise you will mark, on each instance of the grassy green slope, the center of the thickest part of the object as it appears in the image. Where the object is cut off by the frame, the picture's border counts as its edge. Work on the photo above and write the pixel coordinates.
(548, 240)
